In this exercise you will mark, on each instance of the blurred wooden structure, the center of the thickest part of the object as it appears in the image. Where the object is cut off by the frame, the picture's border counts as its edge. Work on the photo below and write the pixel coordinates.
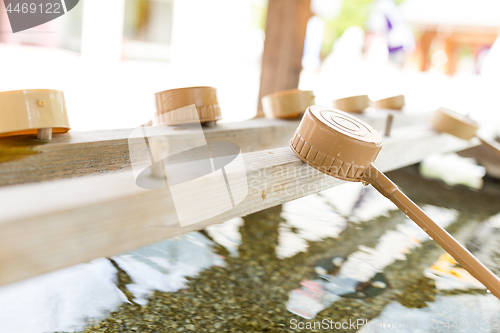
(454, 37)
(455, 22)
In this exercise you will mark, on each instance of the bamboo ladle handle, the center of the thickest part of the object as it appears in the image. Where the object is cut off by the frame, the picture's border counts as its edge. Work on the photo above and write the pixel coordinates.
(386, 187)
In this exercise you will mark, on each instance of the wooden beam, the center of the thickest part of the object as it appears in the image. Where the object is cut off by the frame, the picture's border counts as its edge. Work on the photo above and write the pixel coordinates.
(76, 154)
(283, 47)
(52, 225)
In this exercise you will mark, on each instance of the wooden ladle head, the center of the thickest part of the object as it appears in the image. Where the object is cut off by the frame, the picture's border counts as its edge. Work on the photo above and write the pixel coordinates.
(205, 99)
(336, 143)
(287, 104)
(353, 104)
(393, 103)
(454, 123)
(33, 111)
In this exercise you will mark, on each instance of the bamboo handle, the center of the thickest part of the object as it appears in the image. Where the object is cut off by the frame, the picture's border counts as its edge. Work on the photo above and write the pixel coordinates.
(495, 146)
(385, 186)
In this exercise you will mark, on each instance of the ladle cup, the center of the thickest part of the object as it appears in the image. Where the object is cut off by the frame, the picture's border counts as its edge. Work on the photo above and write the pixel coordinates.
(461, 126)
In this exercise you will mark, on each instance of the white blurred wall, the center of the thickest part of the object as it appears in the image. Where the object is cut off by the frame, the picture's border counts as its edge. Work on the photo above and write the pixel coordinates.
(213, 43)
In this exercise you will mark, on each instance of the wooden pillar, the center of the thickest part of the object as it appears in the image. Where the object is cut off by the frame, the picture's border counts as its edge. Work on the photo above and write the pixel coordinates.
(423, 49)
(451, 53)
(285, 34)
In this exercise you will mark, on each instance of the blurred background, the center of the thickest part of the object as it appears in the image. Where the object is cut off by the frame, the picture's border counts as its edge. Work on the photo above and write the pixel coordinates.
(109, 57)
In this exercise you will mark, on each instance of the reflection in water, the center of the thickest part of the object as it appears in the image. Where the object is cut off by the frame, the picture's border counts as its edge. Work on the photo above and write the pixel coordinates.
(165, 265)
(325, 215)
(68, 299)
(344, 198)
(362, 265)
(63, 300)
(484, 243)
(306, 220)
(265, 268)
(359, 203)
(461, 314)
(449, 275)
(453, 170)
(393, 245)
(227, 234)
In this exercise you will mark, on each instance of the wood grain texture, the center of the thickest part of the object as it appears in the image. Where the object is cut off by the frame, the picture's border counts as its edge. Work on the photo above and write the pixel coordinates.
(52, 225)
(283, 47)
(76, 154)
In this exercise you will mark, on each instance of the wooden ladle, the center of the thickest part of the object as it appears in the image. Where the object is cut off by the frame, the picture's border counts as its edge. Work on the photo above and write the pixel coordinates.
(344, 147)
(461, 126)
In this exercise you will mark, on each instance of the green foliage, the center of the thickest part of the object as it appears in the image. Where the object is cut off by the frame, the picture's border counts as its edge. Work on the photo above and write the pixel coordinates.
(259, 14)
(352, 13)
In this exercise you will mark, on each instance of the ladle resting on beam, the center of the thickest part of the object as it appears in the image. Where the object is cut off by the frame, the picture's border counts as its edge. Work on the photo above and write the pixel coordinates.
(461, 126)
(345, 147)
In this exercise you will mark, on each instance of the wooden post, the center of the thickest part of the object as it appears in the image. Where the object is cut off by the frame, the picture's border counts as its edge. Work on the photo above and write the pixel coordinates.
(451, 53)
(44, 134)
(285, 34)
(388, 124)
(423, 49)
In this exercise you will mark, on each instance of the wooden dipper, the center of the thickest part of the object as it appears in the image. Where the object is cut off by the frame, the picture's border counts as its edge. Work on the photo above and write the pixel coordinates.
(33, 111)
(461, 126)
(287, 104)
(352, 104)
(345, 147)
(393, 103)
(204, 98)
